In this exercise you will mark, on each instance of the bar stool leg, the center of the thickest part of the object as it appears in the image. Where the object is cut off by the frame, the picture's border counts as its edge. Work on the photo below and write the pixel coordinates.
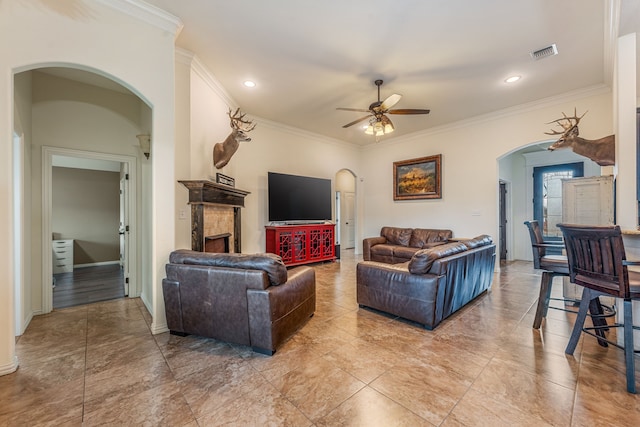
(628, 346)
(543, 298)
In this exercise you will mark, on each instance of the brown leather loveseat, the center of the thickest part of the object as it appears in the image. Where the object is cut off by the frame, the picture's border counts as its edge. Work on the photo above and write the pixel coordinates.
(244, 299)
(396, 245)
(434, 284)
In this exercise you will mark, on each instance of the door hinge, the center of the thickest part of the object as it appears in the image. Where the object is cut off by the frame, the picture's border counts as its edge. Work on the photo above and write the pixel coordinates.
(126, 228)
(126, 280)
(126, 176)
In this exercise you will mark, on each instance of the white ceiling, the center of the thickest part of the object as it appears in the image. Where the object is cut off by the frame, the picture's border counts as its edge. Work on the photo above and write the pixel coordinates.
(451, 56)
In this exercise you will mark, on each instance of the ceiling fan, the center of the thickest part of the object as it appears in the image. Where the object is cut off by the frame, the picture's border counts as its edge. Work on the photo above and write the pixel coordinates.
(379, 123)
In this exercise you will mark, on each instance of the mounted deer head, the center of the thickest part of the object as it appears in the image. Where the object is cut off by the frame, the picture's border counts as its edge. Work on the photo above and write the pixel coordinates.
(223, 151)
(602, 151)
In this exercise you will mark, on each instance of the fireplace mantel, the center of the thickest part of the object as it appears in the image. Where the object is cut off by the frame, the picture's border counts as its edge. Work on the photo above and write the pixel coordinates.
(203, 191)
(203, 194)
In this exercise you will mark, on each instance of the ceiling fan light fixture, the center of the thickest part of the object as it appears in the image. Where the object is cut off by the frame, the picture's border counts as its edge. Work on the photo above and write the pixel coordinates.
(369, 129)
(379, 124)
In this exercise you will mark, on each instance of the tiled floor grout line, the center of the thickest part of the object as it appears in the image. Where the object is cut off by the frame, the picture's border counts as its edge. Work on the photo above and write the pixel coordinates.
(84, 376)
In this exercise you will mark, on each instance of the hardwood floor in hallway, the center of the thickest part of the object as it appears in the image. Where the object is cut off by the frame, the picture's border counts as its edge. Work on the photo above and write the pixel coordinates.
(88, 285)
(98, 364)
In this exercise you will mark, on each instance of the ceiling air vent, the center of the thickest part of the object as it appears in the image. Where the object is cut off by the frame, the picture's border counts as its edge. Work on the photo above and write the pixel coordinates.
(544, 52)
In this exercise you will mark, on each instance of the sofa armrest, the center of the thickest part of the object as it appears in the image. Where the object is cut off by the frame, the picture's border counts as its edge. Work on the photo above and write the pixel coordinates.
(276, 312)
(368, 242)
(172, 305)
(393, 289)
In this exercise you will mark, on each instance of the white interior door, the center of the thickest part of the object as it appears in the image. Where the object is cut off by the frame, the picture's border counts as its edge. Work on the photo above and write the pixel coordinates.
(123, 229)
(348, 209)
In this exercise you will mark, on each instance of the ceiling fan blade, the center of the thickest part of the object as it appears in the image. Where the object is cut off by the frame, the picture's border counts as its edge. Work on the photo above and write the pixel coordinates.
(357, 121)
(408, 111)
(361, 110)
(390, 101)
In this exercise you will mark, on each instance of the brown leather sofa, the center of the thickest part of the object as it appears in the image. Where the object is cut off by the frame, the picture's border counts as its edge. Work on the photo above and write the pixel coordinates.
(396, 245)
(244, 299)
(434, 284)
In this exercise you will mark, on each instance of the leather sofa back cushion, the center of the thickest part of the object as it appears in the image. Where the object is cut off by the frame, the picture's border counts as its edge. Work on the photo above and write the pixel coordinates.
(269, 263)
(421, 236)
(478, 241)
(396, 236)
(422, 260)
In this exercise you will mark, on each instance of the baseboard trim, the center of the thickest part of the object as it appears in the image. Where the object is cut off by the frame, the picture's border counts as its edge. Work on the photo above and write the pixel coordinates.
(95, 264)
(9, 368)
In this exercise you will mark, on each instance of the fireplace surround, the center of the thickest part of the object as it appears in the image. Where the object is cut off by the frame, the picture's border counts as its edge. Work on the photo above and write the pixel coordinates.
(215, 216)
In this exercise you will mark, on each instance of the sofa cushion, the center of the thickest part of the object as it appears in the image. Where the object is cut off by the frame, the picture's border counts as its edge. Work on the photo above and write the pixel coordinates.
(422, 260)
(269, 263)
(420, 237)
(383, 250)
(478, 241)
(404, 253)
(396, 235)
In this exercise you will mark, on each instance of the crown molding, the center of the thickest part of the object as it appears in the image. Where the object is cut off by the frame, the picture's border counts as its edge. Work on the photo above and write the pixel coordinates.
(184, 56)
(203, 72)
(147, 13)
(594, 90)
(303, 133)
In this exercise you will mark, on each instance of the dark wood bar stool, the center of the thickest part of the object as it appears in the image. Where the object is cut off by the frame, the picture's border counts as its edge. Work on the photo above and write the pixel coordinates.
(597, 261)
(552, 266)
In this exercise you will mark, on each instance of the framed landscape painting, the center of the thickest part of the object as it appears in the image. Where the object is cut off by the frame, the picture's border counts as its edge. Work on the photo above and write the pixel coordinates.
(417, 178)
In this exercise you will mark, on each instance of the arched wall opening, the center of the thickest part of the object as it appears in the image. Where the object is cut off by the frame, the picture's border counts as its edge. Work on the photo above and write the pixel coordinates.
(83, 115)
(515, 170)
(346, 209)
(110, 44)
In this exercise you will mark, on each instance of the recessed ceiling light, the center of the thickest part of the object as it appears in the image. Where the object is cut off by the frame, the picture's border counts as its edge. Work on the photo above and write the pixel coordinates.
(249, 83)
(512, 79)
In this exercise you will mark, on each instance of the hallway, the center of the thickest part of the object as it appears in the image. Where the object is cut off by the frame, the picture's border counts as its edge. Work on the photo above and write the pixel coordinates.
(88, 285)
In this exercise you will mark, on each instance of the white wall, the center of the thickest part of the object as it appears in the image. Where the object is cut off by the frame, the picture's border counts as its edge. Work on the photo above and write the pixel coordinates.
(92, 35)
(273, 148)
(22, 123)
(183, 152)
(69, 114)
(470, 153)
(626, 138)
(85, 206)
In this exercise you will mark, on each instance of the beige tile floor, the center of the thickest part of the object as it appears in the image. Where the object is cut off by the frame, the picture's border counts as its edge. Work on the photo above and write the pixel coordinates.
(99, 365)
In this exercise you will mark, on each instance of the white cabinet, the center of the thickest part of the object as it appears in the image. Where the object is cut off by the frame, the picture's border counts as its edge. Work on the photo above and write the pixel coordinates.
(586, 201)
(62, 256)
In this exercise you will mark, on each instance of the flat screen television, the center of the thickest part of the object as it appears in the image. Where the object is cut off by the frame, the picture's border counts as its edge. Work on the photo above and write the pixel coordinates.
(298, 199)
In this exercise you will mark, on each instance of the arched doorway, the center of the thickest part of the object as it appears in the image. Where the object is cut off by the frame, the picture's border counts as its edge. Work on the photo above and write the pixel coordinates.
(81, 114)
(515, 171)
(346, 216)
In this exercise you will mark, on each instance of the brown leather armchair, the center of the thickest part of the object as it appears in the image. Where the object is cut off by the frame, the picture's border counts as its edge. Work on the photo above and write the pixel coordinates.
(244, 299)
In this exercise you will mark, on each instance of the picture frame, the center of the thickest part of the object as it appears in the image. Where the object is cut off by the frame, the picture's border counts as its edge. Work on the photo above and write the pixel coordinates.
(419, 178)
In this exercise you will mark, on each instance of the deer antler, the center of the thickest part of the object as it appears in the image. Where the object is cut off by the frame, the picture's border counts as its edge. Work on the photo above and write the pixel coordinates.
(237, 121)
(569, 126)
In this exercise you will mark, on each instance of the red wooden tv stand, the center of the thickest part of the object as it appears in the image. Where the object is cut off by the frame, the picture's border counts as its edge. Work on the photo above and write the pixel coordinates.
(301, 243)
